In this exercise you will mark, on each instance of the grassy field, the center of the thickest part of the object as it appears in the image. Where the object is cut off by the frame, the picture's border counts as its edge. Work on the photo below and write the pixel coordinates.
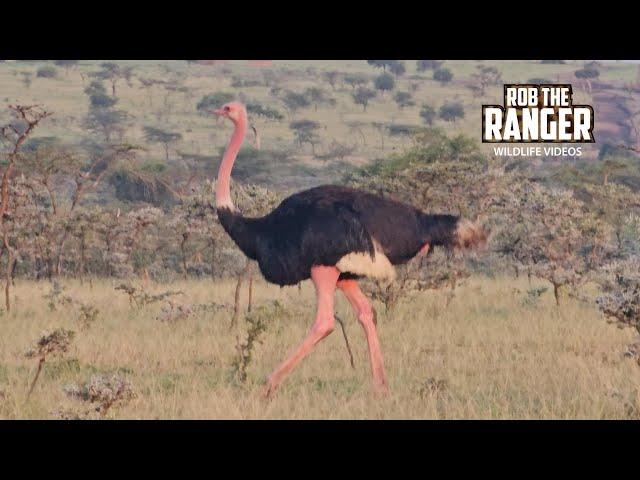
(490, 354)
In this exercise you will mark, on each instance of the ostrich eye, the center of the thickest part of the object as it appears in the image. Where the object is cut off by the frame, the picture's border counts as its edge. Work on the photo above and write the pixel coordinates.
(226, 109)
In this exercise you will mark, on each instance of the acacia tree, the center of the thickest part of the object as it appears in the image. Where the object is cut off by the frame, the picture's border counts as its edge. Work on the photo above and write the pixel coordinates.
(383, 64)
(53, 218)
(551, 233)
(424, 65)
(357, 127)
(66, 64)
(443, 76)
(113, 73)
(47, 71)
(356, 80)
(384, 83)
(331, 78)
(451, 111)
(109, 124)
(397, 68)
(98, 97)
(428, 114)
(318, 96)
(83, 231)
(381, 128)
(256, 109)
(403, 99)
(619, 206)
(195, 224)
(163, 137)
(619, 300)
(294, 101)
(214, 100)
(362, 96)
(587, 73)
(305, 131)
(147, 84)
(485, 77)
(27, 78)
(13, 136)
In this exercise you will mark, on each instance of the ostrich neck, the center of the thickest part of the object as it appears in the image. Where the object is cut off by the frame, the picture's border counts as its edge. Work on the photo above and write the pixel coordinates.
(223, 183)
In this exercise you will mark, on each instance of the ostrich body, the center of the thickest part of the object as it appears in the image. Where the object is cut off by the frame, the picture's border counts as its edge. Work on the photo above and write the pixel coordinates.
(333, 235)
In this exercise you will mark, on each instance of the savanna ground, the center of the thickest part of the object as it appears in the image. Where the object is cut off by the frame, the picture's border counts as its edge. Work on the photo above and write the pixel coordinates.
(494, 353)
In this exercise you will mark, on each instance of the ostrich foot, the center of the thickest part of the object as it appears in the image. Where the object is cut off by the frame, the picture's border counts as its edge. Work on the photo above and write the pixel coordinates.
(380, 389)
(269, 389)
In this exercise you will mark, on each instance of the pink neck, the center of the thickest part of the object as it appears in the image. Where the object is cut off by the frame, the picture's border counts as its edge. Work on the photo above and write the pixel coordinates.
(223, 183)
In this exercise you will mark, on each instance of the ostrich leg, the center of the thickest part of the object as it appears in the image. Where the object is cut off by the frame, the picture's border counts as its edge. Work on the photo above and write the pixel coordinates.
(324, 279)
(362, 306)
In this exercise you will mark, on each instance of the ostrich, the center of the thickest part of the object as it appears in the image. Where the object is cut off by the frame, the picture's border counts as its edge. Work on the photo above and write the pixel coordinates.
(334, 235)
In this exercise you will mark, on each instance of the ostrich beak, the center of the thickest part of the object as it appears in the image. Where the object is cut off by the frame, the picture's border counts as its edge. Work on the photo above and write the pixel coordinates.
(219, 112)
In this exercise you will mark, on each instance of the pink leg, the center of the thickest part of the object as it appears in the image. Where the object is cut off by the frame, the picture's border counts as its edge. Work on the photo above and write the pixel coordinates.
(324, 279)
(424, 250)
(364, 311)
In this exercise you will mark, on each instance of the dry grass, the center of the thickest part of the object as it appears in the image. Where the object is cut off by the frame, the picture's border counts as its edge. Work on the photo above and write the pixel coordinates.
(489, 355)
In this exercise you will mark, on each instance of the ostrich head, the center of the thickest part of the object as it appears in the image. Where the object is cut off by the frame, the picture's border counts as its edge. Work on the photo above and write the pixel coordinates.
(234, 111)
(470, 235)
(237, 113)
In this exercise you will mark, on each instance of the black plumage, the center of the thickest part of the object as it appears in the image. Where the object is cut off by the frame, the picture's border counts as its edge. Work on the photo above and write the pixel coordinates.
(321, 225)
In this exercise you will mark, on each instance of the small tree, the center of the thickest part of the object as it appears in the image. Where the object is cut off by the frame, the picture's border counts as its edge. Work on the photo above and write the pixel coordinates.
(295, 101)
(397, 68)
(166, 139)
(214, 100)
(318, 96)
(550, 232)
(148, 84)
(98, 97)
(450, 112)
(356, 80)
(424, 65)
(331, 78)
(107, 123)
(428, 114)
(362, 96)
(403, 99)
(255, 108)
(113, 73)
(384, 83)
(47, 72)
(443, 76)
(66, 64)
(484, 77)
(305, 131)
(381, 128)
(357, 127)
(52, 344)
(620, 298)
(587, 73)
(27, 78)
(26, 119)
(383, 64)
